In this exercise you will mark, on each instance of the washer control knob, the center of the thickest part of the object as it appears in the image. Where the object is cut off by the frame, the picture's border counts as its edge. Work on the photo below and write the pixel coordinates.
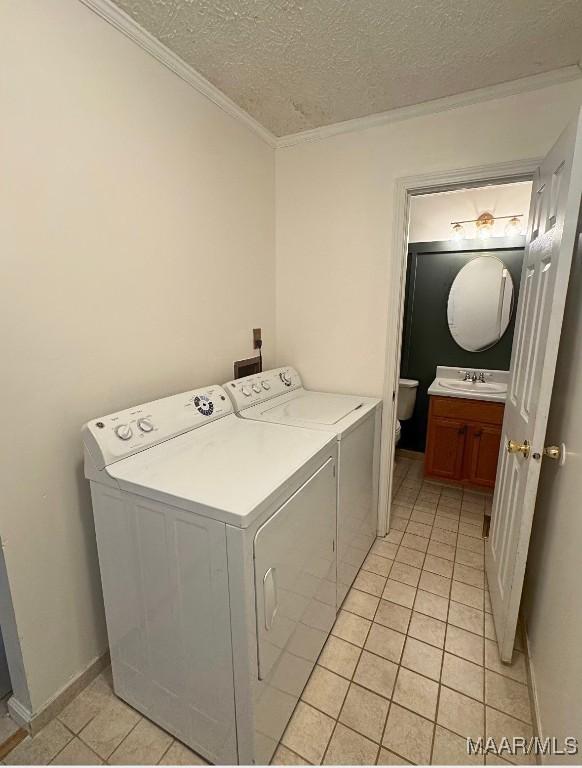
(266, 385)
(246, 390)
(123, 432)
(145, 425)
(285, 378)
(256, 387)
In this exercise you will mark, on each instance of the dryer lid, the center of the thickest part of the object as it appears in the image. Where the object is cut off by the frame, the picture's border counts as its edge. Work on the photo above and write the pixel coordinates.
(315, 407)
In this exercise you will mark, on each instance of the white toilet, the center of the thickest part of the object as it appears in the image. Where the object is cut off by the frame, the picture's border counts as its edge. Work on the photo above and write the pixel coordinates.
(406, 399)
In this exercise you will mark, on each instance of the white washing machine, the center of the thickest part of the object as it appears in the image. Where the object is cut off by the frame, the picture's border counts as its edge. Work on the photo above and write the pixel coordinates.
(278, 396)
(216, 542)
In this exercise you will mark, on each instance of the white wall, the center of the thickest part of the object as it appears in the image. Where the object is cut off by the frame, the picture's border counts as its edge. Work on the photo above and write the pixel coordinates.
(431, 215)
(334, 223)
(553, 601)
(137, 251)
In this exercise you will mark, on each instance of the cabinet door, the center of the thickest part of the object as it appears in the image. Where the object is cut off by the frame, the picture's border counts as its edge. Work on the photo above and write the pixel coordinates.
(482, 454)
(445, 448)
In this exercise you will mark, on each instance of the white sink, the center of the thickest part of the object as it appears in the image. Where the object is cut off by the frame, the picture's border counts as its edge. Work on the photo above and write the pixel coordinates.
(472, 387)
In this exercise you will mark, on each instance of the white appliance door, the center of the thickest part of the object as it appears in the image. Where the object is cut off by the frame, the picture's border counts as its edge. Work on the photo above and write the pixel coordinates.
(552, 232)
(295, 580)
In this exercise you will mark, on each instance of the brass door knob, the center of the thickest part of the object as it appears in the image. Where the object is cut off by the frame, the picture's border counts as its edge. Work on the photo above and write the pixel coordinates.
(523, 448)
(553, 452)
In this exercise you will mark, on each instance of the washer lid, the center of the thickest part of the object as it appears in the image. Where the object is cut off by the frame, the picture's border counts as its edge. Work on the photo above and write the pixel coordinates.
(230, 470)
(315, 407)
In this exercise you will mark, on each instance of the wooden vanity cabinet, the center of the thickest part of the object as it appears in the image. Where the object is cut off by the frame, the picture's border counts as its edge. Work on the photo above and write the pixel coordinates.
(463, 440)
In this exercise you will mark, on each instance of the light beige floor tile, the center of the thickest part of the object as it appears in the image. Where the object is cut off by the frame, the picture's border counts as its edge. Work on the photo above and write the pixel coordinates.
(412, 541)
(450, 749)
(431, 605)
(282, 756)
(361, 603)
(377, 564)
(350, 748)
(464, 593)
(108, 729)
(471, 543)
(339, 656)
(376, 673)
(308, 733)
(144, 745)
(516, 670)
(438, 565)
(416, 693)
(419, 529)
(490, 628)
(390, 758)
(440, 536)
(463, 676)
(88, 703)
(365, 712)
(410, 557)
(427, 629)
(460, 714)
(77, 753)
(422, 516)
(446, 523)
(466, 644)
(398, 524)
(437, 585)
(325, 691)
(7, 727)
(408, 735)
(500, 726)
(393, 615)
(496, 760)
(370, 582)
(466, 617)
(467, 575)
(42, 748)
(472, 559)
(473, 529)
(422, 658)
(179, 754)
(352, 628)
(397, 592)
(507, 695)
(385, 549)
(441, 549)
(407, 574)
(385, 642)
(393, 537)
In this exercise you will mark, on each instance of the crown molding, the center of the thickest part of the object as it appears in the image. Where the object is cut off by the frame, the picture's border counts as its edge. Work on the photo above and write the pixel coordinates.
(510, 88)
(111, 13)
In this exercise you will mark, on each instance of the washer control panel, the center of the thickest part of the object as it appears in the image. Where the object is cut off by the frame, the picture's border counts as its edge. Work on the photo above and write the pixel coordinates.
(259, 387)
(119, 435)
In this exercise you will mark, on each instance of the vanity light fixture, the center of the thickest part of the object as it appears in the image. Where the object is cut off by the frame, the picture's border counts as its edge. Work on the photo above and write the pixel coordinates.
(484, 225)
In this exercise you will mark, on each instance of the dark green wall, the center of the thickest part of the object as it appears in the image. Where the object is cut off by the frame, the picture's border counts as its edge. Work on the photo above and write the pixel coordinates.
(427, 341)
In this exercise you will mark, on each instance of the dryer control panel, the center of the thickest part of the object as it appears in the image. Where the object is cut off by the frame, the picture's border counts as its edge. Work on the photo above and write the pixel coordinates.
(119, 435)
(259, 387)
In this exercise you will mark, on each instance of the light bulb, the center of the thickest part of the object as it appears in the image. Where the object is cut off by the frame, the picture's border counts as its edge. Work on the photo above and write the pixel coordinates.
(513, 226)
(458, 231)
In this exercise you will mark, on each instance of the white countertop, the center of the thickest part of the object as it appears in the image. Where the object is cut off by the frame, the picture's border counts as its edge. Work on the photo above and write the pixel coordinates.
(449, 383)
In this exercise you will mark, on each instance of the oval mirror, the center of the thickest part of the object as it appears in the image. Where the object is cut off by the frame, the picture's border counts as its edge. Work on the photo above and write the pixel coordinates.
(480, 303)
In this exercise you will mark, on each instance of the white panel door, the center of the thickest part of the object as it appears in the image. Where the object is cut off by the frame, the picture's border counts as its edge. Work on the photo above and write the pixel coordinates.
(552, 232)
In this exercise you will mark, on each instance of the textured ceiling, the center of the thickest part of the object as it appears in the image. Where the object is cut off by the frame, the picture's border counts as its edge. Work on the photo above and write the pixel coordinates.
(300, 64)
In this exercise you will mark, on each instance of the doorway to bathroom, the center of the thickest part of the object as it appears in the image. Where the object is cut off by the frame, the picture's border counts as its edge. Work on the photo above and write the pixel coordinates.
(464, 263)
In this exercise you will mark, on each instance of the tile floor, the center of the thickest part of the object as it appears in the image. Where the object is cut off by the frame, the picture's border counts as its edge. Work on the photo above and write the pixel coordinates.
(410, 670)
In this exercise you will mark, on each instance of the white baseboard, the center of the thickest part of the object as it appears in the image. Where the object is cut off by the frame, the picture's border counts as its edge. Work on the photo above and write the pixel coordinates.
(34, 721)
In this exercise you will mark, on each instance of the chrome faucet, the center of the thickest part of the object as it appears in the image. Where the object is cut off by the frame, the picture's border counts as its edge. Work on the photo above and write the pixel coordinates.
(474, 377)
(467, 376)
(482, 377)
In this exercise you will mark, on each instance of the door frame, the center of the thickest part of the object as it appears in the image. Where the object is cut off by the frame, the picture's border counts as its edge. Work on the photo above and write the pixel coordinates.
(406, 187)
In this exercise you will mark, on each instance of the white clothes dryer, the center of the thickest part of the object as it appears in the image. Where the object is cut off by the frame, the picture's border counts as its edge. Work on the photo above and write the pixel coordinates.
(216, 542)
(278, 396)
